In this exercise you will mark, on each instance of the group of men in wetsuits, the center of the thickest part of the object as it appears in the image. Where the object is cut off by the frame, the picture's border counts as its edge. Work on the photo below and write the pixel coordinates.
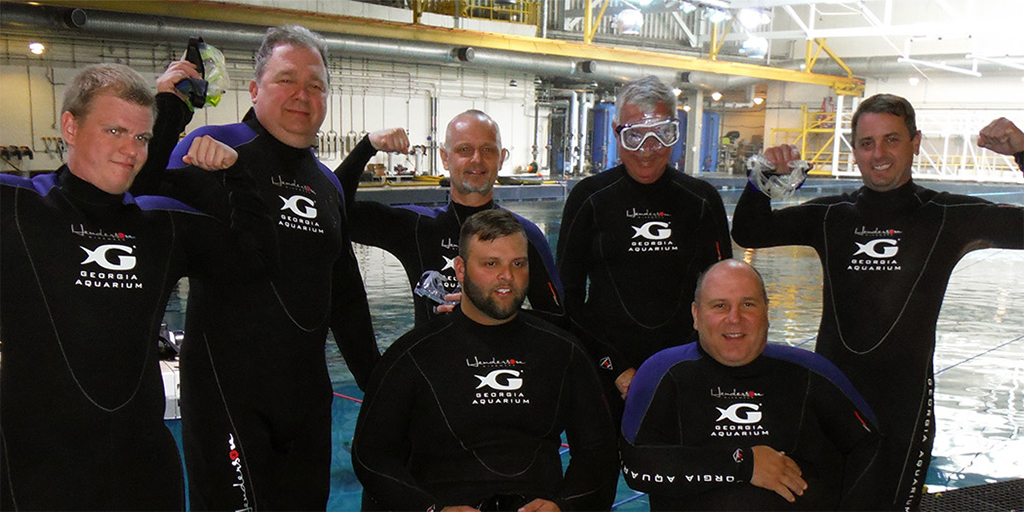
(466, 410)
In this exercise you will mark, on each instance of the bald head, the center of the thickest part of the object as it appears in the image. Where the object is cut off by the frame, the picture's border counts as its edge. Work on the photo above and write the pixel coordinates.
(730, 313)
(733, 264)
(471, 120)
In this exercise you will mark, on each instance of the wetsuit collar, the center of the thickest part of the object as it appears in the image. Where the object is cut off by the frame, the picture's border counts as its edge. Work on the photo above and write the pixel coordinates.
(892, 202)
(661, 179)
(463, 212)
(486, 331)
(86, 192)
(754, 367)
(275, 146)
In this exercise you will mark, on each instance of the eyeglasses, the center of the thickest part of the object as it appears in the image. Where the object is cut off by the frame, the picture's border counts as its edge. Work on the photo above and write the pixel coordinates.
(634, 136)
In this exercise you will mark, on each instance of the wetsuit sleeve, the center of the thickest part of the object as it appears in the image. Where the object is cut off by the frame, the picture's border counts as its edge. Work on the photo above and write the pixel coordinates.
(381, 446)
(655, 456)
(243, 242)
(755, 224)
(352, 167)
(173, 115)
(982, 224)
(575, 239)
(591, 477)
(350, 313)
(1019, 158)
(545, 291)
(716, 227)
(855, 434)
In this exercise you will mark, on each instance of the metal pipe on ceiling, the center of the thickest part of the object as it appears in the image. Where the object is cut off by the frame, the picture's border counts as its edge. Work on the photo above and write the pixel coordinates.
(92, 24)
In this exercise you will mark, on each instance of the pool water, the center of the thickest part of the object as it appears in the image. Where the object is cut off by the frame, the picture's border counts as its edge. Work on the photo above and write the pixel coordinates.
(979, 357)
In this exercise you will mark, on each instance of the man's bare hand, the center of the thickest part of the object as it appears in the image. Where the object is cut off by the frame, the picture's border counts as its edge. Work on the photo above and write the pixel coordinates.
(623, 381)
(539, 505)
(210, 154)
(390, 140)
(177, 71)
(1001, 136)
(448, 308)
(780, 156)
(776, 472)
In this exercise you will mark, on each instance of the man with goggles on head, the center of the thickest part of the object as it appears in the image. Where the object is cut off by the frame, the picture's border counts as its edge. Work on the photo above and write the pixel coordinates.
(640, 232)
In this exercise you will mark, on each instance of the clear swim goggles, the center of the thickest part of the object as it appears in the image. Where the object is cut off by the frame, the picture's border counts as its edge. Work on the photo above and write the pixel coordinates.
(763, 176)
(431, 286)
(633, 136)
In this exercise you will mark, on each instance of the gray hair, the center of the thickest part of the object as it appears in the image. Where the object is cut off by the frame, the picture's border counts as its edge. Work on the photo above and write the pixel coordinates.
(646, 93)
(117, 79)
(290, 34)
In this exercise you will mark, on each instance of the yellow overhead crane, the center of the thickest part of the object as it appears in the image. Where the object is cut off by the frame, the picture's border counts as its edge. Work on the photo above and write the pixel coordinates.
(337, 24)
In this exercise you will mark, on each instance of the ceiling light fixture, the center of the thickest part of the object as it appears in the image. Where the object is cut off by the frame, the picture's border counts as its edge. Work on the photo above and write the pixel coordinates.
(686, 108)
(717, 16)
(687, 7)
(752, 18)
(716, 96)
(758, 100)
(36, 48)
(914, 80)
(940, 65)
(1002, 62)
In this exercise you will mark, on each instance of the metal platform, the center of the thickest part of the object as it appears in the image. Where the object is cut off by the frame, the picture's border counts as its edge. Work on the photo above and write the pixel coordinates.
(1002, 496)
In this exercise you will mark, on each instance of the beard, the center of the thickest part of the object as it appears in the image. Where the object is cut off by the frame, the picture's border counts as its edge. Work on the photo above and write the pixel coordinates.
(486, 303)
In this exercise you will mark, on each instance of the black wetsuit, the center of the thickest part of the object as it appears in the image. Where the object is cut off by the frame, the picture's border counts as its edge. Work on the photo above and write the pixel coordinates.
(458, 412)
(256, 395)
(86, 276)
(691, 423)
(425, 238)
(642, 248)
(886, 258)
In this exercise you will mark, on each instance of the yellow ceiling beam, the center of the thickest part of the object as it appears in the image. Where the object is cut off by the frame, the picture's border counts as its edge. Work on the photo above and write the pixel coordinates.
(350, 25)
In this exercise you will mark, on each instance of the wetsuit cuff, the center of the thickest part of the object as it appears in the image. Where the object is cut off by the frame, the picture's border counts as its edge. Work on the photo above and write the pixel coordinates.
(743, 456)
(1019, 157)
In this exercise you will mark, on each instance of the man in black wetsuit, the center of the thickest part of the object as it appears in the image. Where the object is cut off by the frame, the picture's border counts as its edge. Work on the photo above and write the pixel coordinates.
(641, 233)
(256, 394)
(86, 271)
(467, 410)
(732, 423)
(1005, 138)
(887, 252)
(425, 238)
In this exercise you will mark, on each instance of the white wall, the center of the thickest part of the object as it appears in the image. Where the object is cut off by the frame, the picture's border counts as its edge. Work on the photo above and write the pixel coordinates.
(366, 96)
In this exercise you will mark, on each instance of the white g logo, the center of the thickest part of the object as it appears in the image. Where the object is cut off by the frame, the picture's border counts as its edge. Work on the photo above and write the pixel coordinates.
(869, 248)
(659, 234)
(735, 413)
(99, 257)
(491, 380)
(292, 203)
